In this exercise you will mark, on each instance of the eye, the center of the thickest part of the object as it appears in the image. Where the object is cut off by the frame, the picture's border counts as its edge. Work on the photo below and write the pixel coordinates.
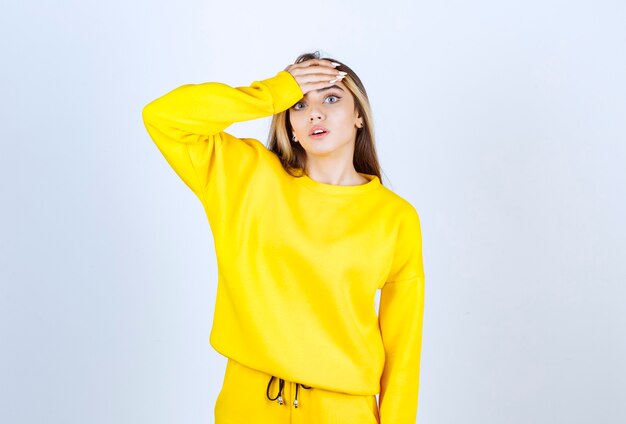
(333, 99)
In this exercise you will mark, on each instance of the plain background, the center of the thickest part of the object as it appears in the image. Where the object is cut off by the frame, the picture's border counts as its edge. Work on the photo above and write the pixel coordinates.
(502, 122)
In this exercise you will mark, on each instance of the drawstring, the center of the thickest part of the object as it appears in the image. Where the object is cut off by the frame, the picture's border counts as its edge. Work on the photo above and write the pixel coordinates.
(281, 387)
(279, 396)
(295, 402)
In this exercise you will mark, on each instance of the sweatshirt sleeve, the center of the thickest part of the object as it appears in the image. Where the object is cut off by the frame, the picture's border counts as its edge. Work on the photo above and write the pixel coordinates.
(187, 124)
(400, 318)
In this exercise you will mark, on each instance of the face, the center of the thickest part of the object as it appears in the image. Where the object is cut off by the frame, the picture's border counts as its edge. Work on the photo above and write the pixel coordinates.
(332, 109)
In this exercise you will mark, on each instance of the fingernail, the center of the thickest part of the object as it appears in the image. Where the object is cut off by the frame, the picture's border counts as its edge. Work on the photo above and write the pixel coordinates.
(335, 64)
(343, 73)
(332, 81)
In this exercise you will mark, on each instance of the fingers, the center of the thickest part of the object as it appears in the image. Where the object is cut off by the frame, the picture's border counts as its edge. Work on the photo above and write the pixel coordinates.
(301, 70)
(315, 74)
(308, 78)
(317, 84)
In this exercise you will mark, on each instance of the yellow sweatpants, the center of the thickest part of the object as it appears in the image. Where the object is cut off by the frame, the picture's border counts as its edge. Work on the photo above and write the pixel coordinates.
(245, 399)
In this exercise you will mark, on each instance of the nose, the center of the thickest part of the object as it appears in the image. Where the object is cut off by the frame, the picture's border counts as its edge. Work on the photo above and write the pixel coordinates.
(315, 115)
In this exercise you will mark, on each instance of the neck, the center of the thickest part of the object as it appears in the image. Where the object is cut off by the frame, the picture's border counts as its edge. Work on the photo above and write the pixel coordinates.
(331, 171)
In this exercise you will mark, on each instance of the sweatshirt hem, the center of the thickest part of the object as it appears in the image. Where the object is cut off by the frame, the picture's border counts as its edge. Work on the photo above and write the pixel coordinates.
(289, 378)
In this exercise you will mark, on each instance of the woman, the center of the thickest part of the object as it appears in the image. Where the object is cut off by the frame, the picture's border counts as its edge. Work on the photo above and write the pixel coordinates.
(305, 234)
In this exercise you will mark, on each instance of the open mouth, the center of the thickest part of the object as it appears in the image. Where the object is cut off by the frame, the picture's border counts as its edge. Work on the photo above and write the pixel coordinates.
(318, 131)
(318, 135)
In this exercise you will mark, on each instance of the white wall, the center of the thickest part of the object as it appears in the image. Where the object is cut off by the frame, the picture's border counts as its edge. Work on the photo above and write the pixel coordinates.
(504, 123)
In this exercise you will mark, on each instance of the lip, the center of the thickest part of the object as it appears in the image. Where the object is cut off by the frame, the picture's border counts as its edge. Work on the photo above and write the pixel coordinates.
(318, 127)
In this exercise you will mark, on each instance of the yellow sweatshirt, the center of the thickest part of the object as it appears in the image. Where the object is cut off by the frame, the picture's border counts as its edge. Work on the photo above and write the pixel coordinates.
(299, 261)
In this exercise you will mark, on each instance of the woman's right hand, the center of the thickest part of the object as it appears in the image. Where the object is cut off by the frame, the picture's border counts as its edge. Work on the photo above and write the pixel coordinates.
(315, 74)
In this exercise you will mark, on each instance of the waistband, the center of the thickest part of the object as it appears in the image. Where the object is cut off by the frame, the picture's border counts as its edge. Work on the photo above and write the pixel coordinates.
(281, 386)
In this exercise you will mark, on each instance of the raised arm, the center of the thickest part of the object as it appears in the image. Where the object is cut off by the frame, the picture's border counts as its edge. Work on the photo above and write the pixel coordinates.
(191, 112)
(187, 123)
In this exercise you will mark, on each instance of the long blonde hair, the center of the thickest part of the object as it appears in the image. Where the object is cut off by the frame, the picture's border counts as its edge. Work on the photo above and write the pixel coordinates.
(293, 156)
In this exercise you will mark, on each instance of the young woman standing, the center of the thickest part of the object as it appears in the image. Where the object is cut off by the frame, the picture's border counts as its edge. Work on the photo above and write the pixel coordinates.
(305, 234)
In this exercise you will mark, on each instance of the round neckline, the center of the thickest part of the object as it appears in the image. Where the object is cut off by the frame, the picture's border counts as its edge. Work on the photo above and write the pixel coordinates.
(307, 181)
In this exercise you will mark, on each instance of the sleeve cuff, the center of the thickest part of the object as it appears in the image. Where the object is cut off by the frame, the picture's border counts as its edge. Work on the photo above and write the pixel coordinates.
(284, 89)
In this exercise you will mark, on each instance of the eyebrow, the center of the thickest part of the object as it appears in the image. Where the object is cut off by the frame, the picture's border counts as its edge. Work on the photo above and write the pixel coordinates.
(329, 88)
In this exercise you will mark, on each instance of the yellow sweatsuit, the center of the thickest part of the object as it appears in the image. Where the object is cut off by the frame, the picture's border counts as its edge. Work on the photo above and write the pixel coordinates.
(299, 261)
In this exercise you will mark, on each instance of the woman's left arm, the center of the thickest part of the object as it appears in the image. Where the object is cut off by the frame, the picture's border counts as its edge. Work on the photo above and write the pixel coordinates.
(401, 315)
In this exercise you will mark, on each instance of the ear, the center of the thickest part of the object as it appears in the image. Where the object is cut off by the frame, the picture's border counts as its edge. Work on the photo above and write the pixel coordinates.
(359, 120)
